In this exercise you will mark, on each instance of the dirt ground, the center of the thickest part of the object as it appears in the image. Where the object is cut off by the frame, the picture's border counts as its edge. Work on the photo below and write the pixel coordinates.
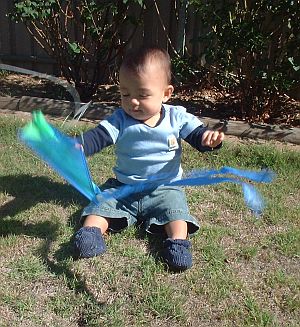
(209, 102)
(203, 102)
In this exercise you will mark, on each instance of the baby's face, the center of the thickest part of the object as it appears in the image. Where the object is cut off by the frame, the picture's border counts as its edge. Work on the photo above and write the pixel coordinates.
(142, 95)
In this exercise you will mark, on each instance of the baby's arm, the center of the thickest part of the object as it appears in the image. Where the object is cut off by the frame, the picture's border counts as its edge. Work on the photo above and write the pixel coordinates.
(94, 140)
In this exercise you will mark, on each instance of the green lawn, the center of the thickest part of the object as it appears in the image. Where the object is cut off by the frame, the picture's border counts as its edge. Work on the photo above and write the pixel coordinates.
(245, 272)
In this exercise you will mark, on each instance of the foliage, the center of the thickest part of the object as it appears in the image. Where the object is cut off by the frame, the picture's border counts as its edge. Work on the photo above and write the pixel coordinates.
(85, 37)
(253, 46)
(186, 71)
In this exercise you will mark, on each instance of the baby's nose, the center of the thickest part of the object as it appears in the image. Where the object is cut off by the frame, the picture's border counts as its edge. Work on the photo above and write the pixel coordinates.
(135, 102)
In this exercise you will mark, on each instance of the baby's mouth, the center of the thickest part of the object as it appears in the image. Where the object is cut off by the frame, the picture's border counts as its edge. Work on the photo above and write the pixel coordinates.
(135, 110)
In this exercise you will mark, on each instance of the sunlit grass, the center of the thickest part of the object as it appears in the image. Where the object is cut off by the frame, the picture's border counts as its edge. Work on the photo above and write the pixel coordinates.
(245, 270)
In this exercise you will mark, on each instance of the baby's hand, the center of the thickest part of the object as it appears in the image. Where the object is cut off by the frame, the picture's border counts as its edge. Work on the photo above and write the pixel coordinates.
(212, 138)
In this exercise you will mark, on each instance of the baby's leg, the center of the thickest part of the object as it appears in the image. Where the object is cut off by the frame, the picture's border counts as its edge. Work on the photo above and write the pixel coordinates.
(121, 212)
(97, 221)
(168, 211)
(176, 252)
(89, 240)
(177, 229)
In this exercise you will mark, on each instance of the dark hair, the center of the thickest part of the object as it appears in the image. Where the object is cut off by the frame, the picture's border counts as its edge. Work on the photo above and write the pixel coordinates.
(136, 60)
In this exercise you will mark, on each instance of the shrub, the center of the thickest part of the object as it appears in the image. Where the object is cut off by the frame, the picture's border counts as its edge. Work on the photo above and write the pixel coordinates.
(254, 49)
(83, 36)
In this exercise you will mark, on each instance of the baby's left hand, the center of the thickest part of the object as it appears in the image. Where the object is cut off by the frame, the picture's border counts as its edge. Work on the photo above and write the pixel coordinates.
(212, 138)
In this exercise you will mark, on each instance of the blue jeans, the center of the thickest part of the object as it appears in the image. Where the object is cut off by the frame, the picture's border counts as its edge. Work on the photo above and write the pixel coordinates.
(152, 208)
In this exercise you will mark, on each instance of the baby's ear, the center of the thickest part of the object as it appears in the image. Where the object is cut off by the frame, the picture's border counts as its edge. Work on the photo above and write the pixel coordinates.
(168, 93)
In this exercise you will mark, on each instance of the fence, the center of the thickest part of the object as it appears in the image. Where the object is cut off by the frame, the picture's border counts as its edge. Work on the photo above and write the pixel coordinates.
(160, 25)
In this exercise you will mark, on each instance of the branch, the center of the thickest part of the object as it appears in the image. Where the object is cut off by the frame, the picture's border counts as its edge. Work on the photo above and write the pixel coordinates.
(164, 28)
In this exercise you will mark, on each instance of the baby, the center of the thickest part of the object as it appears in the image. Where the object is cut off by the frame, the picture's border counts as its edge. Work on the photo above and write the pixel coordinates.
(147, 135)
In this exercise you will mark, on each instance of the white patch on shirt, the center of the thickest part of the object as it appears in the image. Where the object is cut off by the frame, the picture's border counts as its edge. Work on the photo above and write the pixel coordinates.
(172, 143)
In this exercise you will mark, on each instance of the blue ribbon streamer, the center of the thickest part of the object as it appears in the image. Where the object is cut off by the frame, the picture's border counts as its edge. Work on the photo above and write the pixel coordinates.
(66, 157)
(252, 197)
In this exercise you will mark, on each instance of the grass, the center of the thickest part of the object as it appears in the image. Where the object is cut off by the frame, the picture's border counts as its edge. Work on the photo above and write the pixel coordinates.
(245, 272)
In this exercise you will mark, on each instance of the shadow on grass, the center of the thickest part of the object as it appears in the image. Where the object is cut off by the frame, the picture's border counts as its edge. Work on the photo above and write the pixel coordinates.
(27, 191)
(24, 192)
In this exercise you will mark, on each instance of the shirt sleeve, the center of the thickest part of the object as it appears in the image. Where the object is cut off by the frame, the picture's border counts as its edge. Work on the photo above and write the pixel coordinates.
(105, 134)
(114, 123)
(95, 140)
(195, 139)
(187, 122)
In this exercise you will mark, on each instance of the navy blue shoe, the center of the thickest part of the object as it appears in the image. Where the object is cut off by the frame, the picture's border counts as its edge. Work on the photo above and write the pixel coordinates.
(89, 242)
(177, 254)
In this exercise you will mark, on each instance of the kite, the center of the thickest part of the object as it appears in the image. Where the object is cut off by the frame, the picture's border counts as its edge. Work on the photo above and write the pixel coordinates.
(66, 156)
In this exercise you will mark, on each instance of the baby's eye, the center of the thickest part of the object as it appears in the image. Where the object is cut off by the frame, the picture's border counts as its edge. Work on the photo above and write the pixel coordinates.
(143, 96)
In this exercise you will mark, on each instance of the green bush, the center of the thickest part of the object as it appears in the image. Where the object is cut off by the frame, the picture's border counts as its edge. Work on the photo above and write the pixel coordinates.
(85, 37)
(253, 47)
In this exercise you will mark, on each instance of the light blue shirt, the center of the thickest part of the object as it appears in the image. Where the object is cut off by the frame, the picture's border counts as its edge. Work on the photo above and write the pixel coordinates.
(142, 151)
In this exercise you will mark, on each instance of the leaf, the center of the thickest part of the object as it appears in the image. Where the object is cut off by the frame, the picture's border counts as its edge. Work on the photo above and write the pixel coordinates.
(291, 60)
(74, 47)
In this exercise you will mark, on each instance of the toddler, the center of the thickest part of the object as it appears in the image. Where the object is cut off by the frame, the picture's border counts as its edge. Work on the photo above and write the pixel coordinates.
(147, 134)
